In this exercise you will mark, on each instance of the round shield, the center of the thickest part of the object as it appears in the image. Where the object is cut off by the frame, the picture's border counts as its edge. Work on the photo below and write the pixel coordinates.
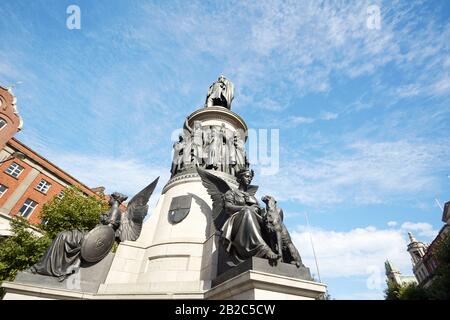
(97, 243)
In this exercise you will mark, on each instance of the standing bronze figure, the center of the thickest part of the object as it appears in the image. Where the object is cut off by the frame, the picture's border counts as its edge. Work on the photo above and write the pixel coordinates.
(220, 93)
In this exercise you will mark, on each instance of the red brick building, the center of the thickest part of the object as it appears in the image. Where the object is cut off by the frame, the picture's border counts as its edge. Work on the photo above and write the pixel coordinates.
(10, 121)
(26, 184)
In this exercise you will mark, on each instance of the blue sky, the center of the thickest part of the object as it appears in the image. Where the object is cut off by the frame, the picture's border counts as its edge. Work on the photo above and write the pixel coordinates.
(362, 113)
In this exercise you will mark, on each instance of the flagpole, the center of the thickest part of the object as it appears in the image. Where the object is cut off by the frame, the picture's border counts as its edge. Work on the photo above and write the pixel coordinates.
(312, 245)
(439, 204)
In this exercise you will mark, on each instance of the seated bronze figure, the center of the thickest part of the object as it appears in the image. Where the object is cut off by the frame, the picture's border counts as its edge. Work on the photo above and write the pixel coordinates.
(238, 216)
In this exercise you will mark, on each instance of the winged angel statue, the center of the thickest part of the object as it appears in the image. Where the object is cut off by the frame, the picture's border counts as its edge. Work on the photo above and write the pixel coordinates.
(238, 216)
(70, 248)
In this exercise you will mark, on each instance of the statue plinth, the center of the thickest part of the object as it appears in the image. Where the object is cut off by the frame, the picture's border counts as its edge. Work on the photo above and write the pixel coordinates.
(216, 116)
(254, 279)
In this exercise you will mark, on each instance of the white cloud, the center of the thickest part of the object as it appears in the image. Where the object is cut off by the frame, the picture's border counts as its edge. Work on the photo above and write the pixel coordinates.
(359, 253)
(296, 120)
(442, 86)
(392, 223)
(352, 253)
(408, 90)
(421, 228)
(328, 116)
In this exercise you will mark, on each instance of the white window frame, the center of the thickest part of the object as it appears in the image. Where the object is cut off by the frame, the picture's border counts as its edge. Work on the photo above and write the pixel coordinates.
(2, 192)
(43, 186)
(14, 170)
(60, 194)
(3, 123)
(32, 204)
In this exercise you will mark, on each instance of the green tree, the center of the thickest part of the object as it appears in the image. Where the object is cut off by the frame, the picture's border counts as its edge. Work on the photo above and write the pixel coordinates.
(413, 291)
(392, 292)
(21, 250)
(73, 211)
(410, 291)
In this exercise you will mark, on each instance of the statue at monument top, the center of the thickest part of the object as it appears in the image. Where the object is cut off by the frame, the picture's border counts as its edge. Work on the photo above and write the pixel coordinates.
(220, 93)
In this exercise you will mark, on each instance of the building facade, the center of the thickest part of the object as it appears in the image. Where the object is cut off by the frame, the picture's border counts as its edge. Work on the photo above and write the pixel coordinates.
(10, 120)
(423, 257)
(394, 275)
(26, 183)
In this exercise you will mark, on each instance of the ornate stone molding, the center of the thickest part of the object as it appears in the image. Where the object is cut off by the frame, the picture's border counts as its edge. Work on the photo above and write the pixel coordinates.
(191, 175)
(218, 113)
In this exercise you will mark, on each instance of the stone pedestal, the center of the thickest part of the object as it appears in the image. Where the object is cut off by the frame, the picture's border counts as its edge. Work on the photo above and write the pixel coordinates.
(257, 279)
(255, 285)
(81, 285)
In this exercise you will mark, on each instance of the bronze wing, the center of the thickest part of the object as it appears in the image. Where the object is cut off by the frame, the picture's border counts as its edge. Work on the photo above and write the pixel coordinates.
(216, 188)
(133, 218)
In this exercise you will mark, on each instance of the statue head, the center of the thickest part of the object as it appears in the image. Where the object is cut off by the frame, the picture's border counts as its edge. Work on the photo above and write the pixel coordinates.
(117, 196)
(245, 176)
(197, 124)
(221, 78)
(269, 200)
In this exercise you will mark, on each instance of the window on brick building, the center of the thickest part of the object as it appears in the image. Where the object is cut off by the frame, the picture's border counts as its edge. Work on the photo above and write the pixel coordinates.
(2, 123)
(60, 195)
(14, 170)
(43, 186)
(27, 208)
(2, 190)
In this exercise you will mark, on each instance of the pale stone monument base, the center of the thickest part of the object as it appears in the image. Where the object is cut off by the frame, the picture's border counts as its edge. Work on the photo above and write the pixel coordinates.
(255, 285)
(254, 279)
(250, 285)
(85, 282)
(257, 279)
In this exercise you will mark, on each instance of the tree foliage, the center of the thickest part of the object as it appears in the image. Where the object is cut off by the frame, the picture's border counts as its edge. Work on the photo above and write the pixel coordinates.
(21, 250)
(392, 291)
(73, 211)
(410, 291)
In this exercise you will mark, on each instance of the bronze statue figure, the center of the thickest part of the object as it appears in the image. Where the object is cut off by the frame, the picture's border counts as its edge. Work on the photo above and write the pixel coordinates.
(214, 149)
(198, 142)
(70, 248)
(278, 234)
(224, 150)
(237, 215)
(220, 93)
(177, 161)
(211, 147)
(240, 157)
